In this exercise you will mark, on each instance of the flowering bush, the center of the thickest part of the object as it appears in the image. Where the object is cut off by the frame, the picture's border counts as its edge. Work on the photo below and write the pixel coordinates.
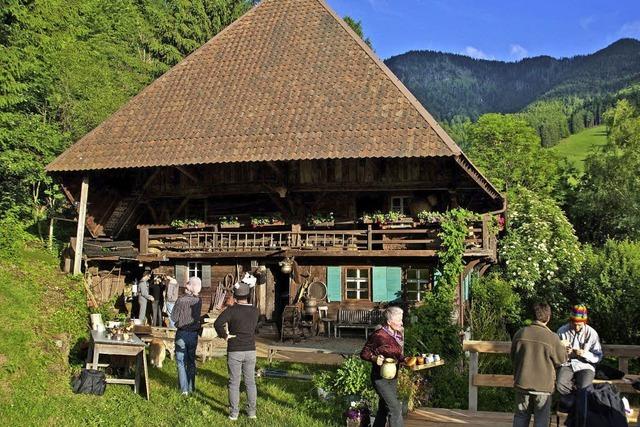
(541, 251)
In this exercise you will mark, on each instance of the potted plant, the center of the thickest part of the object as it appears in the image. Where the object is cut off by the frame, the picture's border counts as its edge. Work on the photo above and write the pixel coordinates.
(321, 220)
(229, 222)
(366, 218)
(323, 381)
(266, 220)
(358, 414)
(187, 223)
(408, 386)
(392, 219)
(429, 217)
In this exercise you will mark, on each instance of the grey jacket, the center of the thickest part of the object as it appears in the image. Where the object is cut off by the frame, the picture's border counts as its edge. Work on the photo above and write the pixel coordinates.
(143, 290)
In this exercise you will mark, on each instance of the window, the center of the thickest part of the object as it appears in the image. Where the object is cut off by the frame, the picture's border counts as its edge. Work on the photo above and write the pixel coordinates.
(418, 283)
(358, 284)
(195, 269)
(400, 204)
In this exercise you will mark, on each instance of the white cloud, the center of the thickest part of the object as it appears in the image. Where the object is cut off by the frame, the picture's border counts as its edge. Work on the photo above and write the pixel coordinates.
(476, 53)
(586, 22)
(518, 51)
(630, 29)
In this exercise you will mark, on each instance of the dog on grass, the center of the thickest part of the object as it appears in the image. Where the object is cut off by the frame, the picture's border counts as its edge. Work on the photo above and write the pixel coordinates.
(157, 352)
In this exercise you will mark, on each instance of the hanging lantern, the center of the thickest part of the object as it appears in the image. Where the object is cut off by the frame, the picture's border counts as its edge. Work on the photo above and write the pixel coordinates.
(286, 266)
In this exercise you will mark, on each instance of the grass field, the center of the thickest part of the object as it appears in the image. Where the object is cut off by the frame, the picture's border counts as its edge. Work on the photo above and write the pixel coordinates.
(39, 306)
(577, 147)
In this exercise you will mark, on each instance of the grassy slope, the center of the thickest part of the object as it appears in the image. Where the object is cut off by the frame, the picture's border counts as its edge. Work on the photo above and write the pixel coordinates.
(577, 147)
(37, 304)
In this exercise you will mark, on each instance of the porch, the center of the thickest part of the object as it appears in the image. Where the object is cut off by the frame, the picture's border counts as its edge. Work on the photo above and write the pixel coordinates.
(161, 241)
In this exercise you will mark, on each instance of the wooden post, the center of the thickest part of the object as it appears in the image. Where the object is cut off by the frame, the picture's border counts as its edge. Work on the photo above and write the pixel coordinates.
(82, 216)
(369, 237)
(623, 364)
(473, 390)
(144, 240)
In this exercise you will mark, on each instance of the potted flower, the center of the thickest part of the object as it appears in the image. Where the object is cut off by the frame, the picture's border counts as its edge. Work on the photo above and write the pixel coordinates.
(321, 220)
(358, 414)
(266, 220)
(229, 222)
(366, 218)
(187, 223)
(392, 219)
(429, 217)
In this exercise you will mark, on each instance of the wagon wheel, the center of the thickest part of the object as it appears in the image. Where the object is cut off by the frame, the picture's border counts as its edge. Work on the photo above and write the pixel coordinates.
(228, 282)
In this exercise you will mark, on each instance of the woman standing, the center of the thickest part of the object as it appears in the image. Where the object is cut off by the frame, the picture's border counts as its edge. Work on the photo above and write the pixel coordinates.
(186, 317)
(386, 342)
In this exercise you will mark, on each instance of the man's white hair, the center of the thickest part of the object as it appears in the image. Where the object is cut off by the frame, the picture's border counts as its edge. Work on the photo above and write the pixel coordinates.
(392, 313)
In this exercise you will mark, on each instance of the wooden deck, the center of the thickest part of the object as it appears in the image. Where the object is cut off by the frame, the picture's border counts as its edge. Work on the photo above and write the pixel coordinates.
(437, 417)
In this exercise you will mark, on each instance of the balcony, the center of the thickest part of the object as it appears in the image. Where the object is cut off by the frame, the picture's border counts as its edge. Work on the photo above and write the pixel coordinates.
(160, 241)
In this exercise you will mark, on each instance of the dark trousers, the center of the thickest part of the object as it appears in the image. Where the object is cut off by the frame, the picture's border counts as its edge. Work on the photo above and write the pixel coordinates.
(566, 378)
(389, 405)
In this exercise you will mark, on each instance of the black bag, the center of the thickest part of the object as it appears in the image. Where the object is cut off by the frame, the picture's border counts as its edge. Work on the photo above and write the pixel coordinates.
(604, 372)
(90, 381)
(598, 405)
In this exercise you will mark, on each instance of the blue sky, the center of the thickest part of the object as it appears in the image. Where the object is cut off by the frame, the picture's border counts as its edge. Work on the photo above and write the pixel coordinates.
(506, 30)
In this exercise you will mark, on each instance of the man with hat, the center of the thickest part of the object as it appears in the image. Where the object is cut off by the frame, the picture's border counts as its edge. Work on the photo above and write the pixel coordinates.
(583, 349)
(241, 320)
(186, 318)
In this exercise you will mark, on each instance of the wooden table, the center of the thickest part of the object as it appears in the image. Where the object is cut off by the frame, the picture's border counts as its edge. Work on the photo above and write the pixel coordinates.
(134, 347)
(427, 365)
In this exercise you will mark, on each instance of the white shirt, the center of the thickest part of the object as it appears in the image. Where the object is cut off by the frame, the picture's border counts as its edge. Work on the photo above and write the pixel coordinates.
(588, 340)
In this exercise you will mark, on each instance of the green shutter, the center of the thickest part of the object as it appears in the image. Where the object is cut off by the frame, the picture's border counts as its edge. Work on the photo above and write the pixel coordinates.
(206, 275)
(379, 284)
(334, 283)
(394, 284)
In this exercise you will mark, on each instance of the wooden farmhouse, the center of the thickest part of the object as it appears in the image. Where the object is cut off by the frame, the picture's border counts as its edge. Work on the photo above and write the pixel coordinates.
(276, 143)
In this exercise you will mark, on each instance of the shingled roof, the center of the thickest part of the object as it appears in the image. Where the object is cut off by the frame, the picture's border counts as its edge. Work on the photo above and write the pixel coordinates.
(287, 81)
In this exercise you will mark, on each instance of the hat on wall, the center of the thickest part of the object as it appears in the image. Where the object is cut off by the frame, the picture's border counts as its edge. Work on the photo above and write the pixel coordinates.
(578, 313)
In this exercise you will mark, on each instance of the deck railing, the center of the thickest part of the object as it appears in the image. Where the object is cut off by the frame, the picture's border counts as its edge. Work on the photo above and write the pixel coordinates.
(157, 239)
(622, 352)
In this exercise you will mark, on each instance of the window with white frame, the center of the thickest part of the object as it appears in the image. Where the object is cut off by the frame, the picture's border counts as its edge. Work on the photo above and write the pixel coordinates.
(400, 204)
(357, 283)
(195, 269)
(418, 284)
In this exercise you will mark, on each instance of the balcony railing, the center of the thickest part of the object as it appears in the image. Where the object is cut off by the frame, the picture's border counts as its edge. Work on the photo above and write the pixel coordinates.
(163, 240)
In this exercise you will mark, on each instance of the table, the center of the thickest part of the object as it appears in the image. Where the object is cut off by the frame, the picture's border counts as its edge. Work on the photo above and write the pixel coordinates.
(274, 349)
(134, 347)
(427, 365)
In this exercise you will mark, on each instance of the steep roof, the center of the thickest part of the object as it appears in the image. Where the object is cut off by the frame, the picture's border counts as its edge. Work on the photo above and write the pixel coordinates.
(289, 80)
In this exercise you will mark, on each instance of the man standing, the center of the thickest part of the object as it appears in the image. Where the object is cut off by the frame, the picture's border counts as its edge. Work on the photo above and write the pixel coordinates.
(186, 317)
(241, 320)
(582, 343)
(535, 352)
(143, 295)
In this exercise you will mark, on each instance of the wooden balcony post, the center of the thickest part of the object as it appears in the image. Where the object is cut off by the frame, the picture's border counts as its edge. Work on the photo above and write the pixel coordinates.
(369, 237)
(144, 240)
(485, 232)
(473, 390)
(82, 216)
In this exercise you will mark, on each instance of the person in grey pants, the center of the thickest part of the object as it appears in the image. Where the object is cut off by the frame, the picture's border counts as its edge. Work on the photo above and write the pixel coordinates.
(241, 320)
(143, 295)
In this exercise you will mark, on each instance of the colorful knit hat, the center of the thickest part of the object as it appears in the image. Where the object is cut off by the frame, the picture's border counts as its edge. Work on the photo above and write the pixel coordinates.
(578, 313)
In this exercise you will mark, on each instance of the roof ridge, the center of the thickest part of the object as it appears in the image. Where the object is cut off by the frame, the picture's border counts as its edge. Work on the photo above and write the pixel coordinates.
(449, 142)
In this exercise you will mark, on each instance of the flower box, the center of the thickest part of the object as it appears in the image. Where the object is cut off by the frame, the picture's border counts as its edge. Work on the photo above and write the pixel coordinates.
(229, 225)
(322, 224)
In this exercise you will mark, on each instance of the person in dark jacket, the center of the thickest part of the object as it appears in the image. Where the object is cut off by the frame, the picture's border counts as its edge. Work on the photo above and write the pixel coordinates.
(143, 295)
(241, 320)
(156, 290)
(536, 352)
(386, 342)
(186, 317)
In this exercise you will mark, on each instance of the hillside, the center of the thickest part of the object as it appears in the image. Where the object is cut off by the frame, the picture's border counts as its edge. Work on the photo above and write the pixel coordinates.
(450, 84)
(577, 147)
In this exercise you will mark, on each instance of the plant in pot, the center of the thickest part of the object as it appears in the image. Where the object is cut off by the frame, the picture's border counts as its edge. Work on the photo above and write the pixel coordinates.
(266, 220)
(321, 220)
(187, 223)
(408, 387)
(358, 414)
(229, 222)
(429, 217)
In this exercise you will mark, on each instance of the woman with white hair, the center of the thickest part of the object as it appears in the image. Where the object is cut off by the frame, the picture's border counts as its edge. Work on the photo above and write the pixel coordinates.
(186, 317)
(386, 342)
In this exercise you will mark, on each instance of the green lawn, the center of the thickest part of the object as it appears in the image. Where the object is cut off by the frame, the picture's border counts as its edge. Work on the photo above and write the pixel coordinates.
(39, 305)
(577, 147)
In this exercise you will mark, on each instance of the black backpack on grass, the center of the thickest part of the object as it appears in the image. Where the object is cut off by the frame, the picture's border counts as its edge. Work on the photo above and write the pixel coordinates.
(90, 381)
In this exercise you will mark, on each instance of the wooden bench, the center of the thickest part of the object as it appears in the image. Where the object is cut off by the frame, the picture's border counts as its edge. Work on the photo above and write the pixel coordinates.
(357, 319)
(274, 349)
(622, 352)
